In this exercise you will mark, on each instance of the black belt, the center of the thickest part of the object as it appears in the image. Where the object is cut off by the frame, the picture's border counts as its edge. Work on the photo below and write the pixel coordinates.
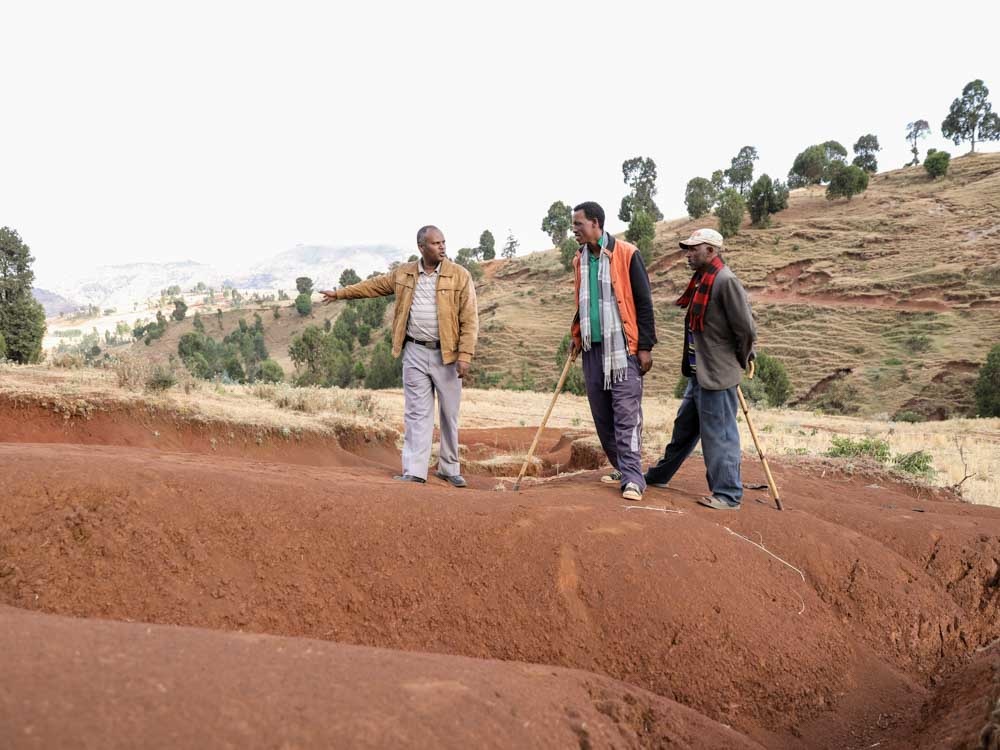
(428, 344)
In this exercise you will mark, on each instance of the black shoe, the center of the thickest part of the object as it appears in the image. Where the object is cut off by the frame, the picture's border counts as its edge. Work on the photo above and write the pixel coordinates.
(455, 480)
(408, 478)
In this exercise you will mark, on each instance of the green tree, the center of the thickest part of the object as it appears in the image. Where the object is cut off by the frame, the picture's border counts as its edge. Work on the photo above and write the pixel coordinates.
(766, 197)
(383, 370)
(937, 163)
(574, 379)
(772, 373)
(567, 249)
(557, 222)
(466, 257)
(22, 318)
(987, 388)
(199, 324)
(641, 232)
(699, 197)
(864, 153)
(347, 277)
(730, 210)
(304, 284)
(218, 317)
(510, 246)
(915, 131)
(3, 348)
(740, 172)
(303, 304)
(846, 181)
(359, 371)
(180, 310)
(487, 245)
(271, 372)
(808, 168)
(718, 180)
(640, 176)
(971, 117)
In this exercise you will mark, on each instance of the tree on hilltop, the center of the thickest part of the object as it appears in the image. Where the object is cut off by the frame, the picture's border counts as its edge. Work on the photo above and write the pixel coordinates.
(740, 172)
(510, 246)
(815, 165)
(641, 231)
(640, 176)
(304, 284)
(971, 117)
(914, 131)
(937, 163)
(347, 277)
(864, 153)
(730, 209)
(766, 197)
(557, 222)
(846, 181)
(180, 310)
(567, 249)
(22, 318)
(487, 249)
(699, 197)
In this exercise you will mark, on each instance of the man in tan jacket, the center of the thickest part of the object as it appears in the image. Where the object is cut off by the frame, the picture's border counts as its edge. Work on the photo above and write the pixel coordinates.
(434, 327)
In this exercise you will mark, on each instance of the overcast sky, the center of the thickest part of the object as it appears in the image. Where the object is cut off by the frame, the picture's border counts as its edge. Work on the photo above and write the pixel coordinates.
(226, 132)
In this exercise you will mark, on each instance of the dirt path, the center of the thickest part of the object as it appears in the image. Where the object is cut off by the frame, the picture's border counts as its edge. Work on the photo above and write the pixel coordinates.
(894, 589)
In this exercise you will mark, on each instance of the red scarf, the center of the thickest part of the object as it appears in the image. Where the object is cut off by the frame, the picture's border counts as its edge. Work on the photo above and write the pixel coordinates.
(697, 294)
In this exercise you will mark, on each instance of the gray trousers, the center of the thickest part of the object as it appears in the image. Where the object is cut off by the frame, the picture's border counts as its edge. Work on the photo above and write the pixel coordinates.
(424, 374)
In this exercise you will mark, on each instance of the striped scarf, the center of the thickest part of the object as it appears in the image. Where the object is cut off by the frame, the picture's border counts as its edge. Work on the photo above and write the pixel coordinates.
(612, 332)
(697, 294)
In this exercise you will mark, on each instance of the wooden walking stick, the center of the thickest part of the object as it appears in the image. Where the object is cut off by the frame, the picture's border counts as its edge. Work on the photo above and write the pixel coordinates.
(534, 443)
(760, 451)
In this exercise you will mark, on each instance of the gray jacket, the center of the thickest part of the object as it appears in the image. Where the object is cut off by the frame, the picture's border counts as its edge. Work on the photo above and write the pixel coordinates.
(724, 348)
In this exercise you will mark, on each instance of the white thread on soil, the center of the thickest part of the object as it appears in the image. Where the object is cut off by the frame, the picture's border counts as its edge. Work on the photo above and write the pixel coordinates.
(650, 507)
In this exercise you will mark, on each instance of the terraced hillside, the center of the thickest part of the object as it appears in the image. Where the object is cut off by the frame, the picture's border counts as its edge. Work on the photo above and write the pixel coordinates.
(885, 303)
(878, 305)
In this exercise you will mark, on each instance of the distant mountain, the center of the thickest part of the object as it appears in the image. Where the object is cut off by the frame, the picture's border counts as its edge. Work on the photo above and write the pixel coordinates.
(53, 303)
(321, 263)
(120, 286)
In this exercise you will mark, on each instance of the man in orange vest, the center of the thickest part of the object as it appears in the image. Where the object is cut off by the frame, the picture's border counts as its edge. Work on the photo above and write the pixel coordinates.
(615, 329)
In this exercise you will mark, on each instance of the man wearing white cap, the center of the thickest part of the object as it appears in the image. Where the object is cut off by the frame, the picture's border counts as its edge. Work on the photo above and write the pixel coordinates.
(719, 336)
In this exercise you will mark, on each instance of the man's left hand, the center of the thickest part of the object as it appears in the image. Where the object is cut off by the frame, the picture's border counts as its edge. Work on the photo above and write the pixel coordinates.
(645, 361)
(462, 368)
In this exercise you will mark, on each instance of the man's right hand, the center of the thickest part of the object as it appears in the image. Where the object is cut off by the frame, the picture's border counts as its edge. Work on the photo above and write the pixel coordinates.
(574, 348)
(329, 295)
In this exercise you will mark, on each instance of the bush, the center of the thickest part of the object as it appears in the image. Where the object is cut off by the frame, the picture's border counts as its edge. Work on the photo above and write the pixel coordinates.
(131, 370)
(846, 180)
(699, 197)
(766, 197)
(271, 372)
(3, 348)
(936, 163)
(303, 304)
(568, 248)
(987, 388)
(681, 387)
(641, 231)
(161, 379)
(909, 416)
(772, 373)
(917, 463)
(873, 448)
(730, 210)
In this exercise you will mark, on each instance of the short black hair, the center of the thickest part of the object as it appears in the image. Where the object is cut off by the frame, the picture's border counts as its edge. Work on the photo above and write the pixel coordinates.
(592, 211)
(422, 233)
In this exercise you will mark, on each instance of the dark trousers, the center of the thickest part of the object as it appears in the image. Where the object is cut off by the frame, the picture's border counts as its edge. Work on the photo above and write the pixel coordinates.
(617, 415)
(709, 416)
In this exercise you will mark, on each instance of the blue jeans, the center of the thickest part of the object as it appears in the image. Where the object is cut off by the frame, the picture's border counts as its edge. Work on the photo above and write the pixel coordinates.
(709, 416)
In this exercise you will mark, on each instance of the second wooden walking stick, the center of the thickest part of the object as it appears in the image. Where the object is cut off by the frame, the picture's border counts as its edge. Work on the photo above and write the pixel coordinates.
(534, 443)
(760, 451)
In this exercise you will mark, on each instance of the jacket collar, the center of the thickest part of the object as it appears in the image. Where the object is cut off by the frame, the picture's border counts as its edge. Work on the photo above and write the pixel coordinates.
(609, 244)
(447, 268)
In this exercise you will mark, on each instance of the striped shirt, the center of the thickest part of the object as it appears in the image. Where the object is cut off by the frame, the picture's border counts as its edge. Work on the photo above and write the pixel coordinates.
(423, 322)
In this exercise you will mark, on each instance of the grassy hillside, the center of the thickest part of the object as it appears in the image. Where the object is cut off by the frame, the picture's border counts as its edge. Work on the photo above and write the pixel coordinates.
(882, 304)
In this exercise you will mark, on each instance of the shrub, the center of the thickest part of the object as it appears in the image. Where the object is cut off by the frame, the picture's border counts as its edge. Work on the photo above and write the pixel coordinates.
(161, 379)
(681, 387)
(772, 373)
(699, 197)
(873, 448)
(936, 163)
(917, 463)
(131, 371)
(917, 343)
(303, 304)
(641, 231)
(846, 180)
(271, 372)
(730, 210)
(766, 197)
(567, 249)
(987, 387)
(909, 416)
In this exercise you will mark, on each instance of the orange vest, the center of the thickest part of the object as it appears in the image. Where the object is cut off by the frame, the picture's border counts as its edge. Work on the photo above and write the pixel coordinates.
(620, 254)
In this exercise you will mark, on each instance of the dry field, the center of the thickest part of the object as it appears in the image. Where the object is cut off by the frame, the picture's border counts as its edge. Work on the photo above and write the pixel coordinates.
(959, 447)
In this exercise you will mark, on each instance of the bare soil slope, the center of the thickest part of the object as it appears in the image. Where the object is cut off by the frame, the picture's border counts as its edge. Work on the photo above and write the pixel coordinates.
(826, 625)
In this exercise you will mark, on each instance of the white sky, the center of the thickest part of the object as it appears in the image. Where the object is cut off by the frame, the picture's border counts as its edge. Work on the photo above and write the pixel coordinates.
(226, 132)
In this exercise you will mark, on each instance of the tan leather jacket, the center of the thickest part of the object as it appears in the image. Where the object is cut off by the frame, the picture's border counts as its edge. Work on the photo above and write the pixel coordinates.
(458, 316)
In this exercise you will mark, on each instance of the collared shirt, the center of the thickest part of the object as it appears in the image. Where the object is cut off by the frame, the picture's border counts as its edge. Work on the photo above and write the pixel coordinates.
(423, 322)
(594, 264)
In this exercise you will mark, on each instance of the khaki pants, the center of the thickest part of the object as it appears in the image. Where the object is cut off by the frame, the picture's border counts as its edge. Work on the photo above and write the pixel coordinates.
(424, 374)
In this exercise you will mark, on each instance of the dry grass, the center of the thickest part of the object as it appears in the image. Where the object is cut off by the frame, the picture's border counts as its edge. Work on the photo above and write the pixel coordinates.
(783, 432)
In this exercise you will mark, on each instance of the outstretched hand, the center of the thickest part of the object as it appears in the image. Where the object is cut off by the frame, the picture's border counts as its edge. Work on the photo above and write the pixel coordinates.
(329, 295)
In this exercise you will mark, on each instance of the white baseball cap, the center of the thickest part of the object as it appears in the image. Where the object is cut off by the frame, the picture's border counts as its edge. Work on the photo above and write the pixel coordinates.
(708, 236)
